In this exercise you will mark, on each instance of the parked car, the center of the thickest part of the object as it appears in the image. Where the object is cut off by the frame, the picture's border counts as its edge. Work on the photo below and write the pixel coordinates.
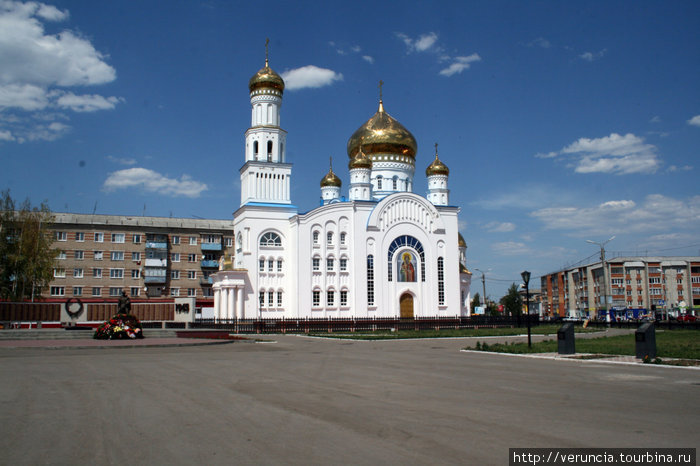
(686, 318)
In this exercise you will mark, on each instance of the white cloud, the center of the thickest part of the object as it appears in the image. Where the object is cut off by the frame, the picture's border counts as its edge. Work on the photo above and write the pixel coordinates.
(423, 43)
(614, 154)
(309, 76)
(460, 64)
(509, 248)
(6, 136)
(655, 119)
(499, 227)
(695, 121)
(368, 59)
(87, 103)
(656, 213)
(356, 48)
(152, 181)
(540, 42)
(592, 56)
(36, 65)
(121, 160)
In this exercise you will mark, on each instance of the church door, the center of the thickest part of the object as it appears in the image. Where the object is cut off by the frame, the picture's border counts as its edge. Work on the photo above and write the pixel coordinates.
(406, 303)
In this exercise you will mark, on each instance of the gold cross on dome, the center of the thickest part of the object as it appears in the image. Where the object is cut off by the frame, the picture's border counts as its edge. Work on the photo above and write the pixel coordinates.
(381, 83)
(436, 149)
(267, 44)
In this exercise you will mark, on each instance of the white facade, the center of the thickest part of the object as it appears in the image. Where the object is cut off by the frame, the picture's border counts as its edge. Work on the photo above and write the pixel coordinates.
(386, 252)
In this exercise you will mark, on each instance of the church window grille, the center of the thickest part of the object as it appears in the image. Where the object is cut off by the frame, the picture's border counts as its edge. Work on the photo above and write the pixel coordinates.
(406, 241)
(343, 297)
(316, 301)
(370, 280)
(316, 264)
(441, 281)
(270, 239)
(330, 298)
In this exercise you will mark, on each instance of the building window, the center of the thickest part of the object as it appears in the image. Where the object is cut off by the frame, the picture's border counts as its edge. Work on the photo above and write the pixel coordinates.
(117, 255)
(96, 291)
(270, 265)
(270, 239)
(315, 237)
(61, 236)
(77, 291)
(118, 237)
(343, 297)
(379, 182)
(329, 264)
(193, 241)
(343, 264)
(191, 292)
(228, 242)
(79, 255)
(316, 264)
(261, 265)
(261, 298)
(192, 258)
(99, 237)
(441, 281)
(135, 256)
(192, 274)
(59, 273)
(370, 280)
(175, 240)
(116, 273)
(135, 273)
(136, 240)
(58, 291)
(343, 237)
(175, 257)
(329, 238)
(96, 273)
(97, 255)
(654, 280)
(174, 274)
(77, 273)
(279, 265)
(270, 298)
(316, 298)
(394, 184)
(61, 255)
(175, 291)
(134, 291)
(79, 236)
(279, 299)
(330, 298)
(115, 291)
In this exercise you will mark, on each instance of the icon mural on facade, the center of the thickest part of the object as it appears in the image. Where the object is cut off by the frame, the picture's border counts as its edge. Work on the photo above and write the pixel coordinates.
(407, 267)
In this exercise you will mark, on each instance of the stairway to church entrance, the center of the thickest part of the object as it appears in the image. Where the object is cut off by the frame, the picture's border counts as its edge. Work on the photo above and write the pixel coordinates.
(406, 306)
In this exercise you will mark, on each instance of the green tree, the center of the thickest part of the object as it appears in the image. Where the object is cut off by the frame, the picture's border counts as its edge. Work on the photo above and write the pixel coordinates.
(476, 301)
(512, 301)
(27, 258)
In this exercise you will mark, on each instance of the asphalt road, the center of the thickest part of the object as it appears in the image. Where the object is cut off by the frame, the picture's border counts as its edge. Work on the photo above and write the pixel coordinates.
(316, 401)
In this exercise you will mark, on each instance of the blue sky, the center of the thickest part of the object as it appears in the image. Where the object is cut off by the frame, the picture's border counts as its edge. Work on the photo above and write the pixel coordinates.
(559, 121)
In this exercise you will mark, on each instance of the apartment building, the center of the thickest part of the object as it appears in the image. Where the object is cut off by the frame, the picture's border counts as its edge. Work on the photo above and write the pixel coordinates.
(148, 257)
(630, 284)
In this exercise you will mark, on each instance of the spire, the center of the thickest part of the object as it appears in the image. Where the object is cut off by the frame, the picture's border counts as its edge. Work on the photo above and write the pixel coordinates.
(267, 50)
(381, 103)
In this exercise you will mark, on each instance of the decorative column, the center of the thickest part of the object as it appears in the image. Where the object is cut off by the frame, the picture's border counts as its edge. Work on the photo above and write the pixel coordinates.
(241, 311)
(217, 302)
(229, 308)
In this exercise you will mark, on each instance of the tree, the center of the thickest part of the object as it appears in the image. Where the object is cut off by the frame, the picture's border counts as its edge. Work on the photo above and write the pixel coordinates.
(512, 301)
(27, 258)
(476, 301)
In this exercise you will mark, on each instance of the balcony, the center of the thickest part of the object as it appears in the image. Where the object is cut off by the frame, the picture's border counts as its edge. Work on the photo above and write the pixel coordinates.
(211, 264)
(211, 246)
(156, 262)
(156, 279)
(156, 245)
(205, 281)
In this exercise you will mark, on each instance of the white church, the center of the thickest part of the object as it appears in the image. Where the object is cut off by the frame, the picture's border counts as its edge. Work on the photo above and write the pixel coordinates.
(382, 251)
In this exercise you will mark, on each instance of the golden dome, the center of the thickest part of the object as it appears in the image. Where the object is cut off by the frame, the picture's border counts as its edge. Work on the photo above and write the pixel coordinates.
(382, 134)
(463, 269)
(461, 243)
(331, 179)
(266, 78)
(360, 161)
(437, 167)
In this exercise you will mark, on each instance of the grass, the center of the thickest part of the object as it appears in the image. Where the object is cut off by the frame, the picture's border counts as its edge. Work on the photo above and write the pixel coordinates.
(683, 344)
(451, 333)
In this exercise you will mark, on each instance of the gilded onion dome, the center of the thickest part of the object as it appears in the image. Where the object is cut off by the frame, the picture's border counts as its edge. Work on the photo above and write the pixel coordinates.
(360, 161)
(461, 243)
(437, 167)
(331, 179)
(463, 269)
(266, 77)
(382, 134)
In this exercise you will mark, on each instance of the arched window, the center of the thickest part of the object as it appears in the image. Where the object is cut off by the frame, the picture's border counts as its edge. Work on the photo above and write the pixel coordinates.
(441, 281)
(279, 298)
(370, 280)
(343, 236)
(330, 298)
(406, 263)
(379, 182)
(329, 238)
(270, 239)
(269, 151)
(316, 298)
(255, 149)
(394, 183)
(315, 237)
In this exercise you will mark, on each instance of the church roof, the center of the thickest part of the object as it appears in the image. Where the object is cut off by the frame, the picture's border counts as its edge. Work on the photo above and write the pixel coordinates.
(382, 134)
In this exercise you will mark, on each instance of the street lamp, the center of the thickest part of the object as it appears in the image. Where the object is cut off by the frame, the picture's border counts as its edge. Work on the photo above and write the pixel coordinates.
(605, 281)
(526, 279)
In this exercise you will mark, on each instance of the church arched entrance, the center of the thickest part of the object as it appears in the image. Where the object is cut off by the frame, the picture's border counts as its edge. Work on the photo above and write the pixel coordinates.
(406, 306)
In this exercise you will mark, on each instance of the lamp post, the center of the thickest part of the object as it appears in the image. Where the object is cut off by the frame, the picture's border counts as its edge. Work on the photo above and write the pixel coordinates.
(526, 279)
(605, 281)
(483, 283)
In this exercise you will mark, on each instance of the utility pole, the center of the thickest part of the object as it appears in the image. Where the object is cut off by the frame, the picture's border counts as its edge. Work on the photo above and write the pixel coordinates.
(605, 281)
(483, 283)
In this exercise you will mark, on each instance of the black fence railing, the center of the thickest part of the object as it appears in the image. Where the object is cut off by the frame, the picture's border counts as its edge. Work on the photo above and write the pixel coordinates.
(659, 324)
(322, 325)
